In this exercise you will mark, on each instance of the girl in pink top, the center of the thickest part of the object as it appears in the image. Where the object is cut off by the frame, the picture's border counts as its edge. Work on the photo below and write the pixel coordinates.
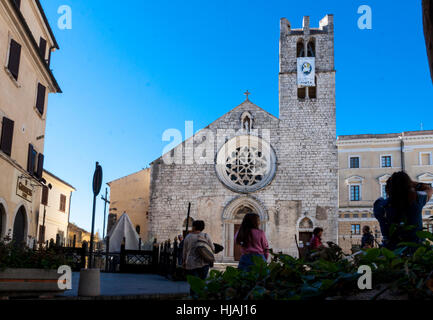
(252, 241)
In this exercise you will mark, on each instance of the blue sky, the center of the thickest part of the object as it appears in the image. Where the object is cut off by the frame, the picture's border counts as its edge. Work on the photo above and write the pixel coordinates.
(130, 70)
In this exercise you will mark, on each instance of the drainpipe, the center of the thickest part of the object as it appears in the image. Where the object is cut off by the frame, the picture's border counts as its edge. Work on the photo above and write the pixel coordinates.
(69, 215)
(403, 167)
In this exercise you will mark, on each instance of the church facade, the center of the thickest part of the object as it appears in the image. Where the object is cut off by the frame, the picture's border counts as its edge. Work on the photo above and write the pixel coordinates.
(283, 169)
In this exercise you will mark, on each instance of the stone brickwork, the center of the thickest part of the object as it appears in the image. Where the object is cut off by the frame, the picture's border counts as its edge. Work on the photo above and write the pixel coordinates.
(304, 141)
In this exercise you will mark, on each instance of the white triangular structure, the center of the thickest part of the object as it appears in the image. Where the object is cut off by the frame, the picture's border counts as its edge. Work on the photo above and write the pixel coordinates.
(123, 229)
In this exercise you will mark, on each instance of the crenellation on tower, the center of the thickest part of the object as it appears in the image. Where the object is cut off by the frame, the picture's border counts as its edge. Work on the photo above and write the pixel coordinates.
(306, 25)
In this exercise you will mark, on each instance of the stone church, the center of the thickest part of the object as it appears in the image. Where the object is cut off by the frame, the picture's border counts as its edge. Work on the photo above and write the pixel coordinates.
(284, 169)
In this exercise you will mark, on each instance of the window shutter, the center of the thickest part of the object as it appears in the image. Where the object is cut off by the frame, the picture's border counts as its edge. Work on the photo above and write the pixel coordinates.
(62, 203)
(14, 58)
(44, 200)
(17, 3)
(7, 136)
(40, 100)
(31, 160)
(43, 47)
(40, 165)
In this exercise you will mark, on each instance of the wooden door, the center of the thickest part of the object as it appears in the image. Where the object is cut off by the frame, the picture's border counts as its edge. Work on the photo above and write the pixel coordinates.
(305, 237)
(237, 248)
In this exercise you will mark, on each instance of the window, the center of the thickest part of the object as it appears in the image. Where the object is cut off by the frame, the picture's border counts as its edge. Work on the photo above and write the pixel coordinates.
(137, 228)
(364, 215)
(302, 92)
(43, 47)
(354, 162)
(430, 228)
(17, 3)
(312, 91)
(62, 203)
(425, 158)
(44, 200)
(7, 134)
(40, 100)
(31, 160)
(383, 191)
(355, 193)
(311, 48)
(427, 212)
(14, 58)
(356, 229)
(300, 50)
(386, 162)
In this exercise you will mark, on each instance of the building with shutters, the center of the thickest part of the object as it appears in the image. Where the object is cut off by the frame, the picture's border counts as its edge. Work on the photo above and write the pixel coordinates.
(26, 44)
(55, 209)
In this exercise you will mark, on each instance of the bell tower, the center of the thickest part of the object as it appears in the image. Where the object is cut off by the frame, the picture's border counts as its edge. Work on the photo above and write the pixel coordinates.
(307, 151)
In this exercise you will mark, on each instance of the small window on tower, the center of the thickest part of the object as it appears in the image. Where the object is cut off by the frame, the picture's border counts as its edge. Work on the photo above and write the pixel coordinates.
(302, 92)
(311, 48)
(300, 50)
(312, 91)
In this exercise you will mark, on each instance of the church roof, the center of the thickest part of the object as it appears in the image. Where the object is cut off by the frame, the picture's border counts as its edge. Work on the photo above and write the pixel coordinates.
(251, 106)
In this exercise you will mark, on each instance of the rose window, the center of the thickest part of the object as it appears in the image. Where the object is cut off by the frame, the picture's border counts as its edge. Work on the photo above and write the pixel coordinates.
(246, 164)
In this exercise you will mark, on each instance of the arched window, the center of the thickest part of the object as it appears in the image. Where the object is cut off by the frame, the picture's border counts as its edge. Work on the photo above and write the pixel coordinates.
(246, 121)
(311, 48)
(306, 223)
(137, 228)
(300, 48)
(312, 91)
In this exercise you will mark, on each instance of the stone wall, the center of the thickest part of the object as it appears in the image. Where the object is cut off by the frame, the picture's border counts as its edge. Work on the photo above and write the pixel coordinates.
(308, 129)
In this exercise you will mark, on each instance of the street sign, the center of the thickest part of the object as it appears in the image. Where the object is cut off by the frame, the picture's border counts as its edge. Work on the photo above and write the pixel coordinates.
(97, 179)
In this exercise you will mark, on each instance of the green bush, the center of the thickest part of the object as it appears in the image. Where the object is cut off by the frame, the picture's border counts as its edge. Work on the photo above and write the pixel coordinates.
(408, 269)
(20, 256)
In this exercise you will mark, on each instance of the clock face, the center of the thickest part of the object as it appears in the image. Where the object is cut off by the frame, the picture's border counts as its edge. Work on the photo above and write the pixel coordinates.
(306, 68)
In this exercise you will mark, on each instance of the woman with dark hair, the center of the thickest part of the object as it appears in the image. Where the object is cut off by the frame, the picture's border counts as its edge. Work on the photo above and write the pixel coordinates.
(316, 240)
(252, 241)
(400, 215)
(367, 240)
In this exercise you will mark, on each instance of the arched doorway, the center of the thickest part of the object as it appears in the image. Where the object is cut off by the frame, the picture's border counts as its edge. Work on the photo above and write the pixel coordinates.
(20, 226)
(305, 229)
(233, 214)
(2, 221)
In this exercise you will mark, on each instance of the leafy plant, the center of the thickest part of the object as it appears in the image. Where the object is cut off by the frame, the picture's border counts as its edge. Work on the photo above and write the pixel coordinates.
(408, 270)
(20, 256)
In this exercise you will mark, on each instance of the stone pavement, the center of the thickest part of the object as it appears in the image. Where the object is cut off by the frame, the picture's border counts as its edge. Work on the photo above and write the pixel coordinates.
(133, 286)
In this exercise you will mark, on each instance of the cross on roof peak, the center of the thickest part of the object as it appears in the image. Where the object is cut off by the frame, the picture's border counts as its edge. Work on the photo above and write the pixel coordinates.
(247, 94)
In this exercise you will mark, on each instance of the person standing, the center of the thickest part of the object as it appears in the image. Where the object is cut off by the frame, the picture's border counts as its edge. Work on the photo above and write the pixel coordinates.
(367, 240)
(252, 240)
(192, 261)
(402, 208)
(316, 240)
(180, 249)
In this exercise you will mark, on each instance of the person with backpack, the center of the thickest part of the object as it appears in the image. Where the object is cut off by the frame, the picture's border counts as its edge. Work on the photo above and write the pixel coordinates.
(400, 215)
(252, 240)
(198, 251)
